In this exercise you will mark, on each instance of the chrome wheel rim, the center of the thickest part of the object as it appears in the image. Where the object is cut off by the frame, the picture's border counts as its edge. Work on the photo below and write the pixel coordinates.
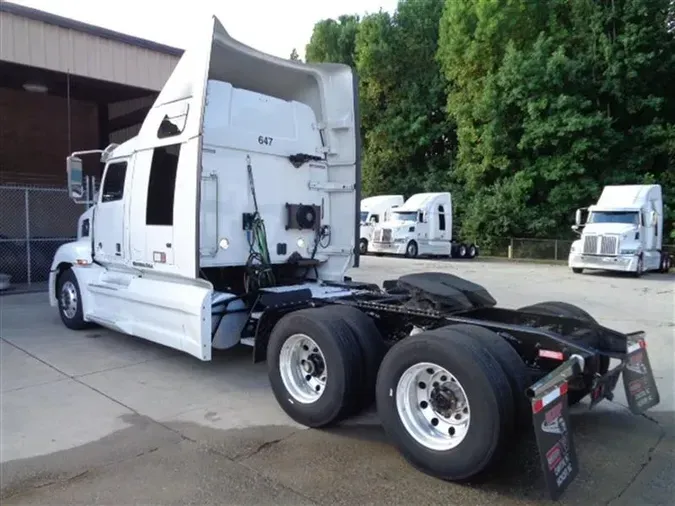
(462, 250)
(433, 406)
(302, 366)
(69, 300)
(472, 251)
(411, 250)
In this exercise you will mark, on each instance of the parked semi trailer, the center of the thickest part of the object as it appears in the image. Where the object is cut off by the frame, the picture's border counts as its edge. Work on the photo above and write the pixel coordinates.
(232, 217)
(375, 210)
(622, 232)
(422, 226)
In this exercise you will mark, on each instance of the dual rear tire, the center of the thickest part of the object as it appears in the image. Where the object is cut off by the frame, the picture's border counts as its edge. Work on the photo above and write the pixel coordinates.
(449, 399)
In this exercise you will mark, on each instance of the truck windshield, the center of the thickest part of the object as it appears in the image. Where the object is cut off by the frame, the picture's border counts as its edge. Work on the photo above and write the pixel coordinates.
(630, 217)
(405, 215)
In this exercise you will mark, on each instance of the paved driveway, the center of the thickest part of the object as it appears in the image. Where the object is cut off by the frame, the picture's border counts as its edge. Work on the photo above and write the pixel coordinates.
(99, 418)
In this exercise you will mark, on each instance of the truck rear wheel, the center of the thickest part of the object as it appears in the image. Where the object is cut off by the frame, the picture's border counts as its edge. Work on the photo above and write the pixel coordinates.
(445, 403)
(510, 361)
(473, 251)
(70, 301)
(314, 366)
(371, 343)
(566, 310)
(665, 263)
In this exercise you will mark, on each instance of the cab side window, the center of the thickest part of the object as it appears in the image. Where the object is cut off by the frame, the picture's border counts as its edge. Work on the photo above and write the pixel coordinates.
(113, 182)
(441, 218)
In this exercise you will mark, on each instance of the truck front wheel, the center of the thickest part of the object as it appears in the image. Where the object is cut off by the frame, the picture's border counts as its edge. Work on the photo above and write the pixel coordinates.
(446, 404)
(363, 246)
(70, 301)
(411, 250)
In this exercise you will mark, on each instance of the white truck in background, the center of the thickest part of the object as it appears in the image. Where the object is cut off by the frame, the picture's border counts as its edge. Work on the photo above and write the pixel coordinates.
(622, 232)
(422, 226)
(374, 210)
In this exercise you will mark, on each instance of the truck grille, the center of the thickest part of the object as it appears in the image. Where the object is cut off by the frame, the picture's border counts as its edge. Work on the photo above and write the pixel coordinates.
(591, 244)
(383, 235)
(609, 245)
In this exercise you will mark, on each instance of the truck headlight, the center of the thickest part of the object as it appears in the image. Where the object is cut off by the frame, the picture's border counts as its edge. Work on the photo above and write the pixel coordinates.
(399, 240)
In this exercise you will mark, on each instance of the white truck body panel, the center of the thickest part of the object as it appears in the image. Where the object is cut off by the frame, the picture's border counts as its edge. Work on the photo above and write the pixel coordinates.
(375, 210)
(618, 232)
(172, 199)
(425, 219)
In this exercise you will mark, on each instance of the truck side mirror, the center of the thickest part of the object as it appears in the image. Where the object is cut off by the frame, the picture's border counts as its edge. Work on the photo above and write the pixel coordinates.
(577, 218)
(75, 177)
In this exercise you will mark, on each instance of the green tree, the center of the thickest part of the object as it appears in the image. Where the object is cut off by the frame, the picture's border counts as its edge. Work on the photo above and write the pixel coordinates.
(409, 139)
(333, 41)
(552, 101)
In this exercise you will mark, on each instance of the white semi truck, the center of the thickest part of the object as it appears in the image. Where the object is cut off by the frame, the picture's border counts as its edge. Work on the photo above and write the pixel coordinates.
(623, 232)
(374, 210)
(422, 226)
(231, 219)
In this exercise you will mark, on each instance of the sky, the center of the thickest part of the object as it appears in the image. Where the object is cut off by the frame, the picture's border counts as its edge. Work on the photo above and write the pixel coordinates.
(271, 26)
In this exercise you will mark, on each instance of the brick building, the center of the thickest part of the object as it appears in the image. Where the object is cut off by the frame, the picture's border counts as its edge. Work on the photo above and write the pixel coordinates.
(64, 86)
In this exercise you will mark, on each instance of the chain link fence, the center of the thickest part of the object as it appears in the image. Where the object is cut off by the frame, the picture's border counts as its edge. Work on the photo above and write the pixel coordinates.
(518, 248)
(34, 222)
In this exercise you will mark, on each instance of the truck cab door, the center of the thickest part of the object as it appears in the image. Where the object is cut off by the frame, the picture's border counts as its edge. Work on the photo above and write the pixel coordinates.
(108, 226)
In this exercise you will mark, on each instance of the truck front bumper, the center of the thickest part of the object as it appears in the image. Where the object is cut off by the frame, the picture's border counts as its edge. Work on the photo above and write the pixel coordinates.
(622, 263)
(391, 248)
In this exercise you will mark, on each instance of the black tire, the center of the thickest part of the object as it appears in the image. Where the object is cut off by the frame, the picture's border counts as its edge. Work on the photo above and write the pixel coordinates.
(67, 292)
(472, 251)
(462, 251)
(640, 268)
(343, 362)
(510, 361)
(665, 263)
(411, 250)
(371, 343)
(577, 270)
(558, 308)
(487, 390)
(363, 246)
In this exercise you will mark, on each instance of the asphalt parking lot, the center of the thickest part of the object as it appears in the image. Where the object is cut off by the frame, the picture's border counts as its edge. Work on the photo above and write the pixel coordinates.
(99, 418)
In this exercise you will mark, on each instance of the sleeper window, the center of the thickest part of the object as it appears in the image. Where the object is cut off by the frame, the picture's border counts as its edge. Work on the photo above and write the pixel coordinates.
(441, 218)
(162, 185)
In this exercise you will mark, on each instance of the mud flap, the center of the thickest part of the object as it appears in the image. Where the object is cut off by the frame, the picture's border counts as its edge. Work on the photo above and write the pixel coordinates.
(551, 419)
(638, 378)
(554, 439)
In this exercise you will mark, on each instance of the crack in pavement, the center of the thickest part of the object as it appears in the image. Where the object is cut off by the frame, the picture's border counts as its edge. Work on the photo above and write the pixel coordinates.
(645, 463)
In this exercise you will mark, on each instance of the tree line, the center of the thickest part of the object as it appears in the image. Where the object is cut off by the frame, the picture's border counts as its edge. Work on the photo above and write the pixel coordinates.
(523, 109)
